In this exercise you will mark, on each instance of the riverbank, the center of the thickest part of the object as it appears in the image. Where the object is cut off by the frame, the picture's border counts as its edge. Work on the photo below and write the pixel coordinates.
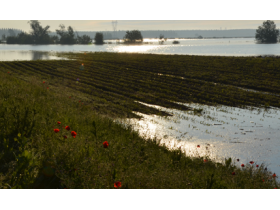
(56, 94)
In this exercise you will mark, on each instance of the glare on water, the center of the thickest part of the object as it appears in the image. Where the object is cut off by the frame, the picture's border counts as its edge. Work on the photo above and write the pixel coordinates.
(221, 132)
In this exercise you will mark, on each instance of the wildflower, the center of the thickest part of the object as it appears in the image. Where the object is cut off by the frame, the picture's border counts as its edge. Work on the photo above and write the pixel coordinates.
(74, 134)
(251, 162)
(8, 72)
(117, 184)
(82, 64)
(79, 101)
(44, 82)
(257, 166)
(274, 175)
(198, 146)
(205, 160)
(242, 165)
(67, 128)
(58, 122)
(233, 173)
(47, 87)
(275, 188)
(65, 137)
(237, 160)
(69, 96)
(56, 130)
(105, 144)
(263, 180)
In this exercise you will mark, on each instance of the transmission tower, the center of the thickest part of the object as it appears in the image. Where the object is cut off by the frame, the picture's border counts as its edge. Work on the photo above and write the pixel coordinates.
(114, 24)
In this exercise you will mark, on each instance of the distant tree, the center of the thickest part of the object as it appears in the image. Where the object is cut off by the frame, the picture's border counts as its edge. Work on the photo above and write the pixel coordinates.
(161, 39)
(66, 37)
(133, 36)
(21, 38)
(98, 38)
(267, 33)
(11, 32)
(85, 39)
(3, 37)
(39, 34)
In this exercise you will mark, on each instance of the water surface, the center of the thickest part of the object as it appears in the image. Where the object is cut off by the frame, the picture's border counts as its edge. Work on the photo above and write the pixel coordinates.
(221, 47)
(221, 132)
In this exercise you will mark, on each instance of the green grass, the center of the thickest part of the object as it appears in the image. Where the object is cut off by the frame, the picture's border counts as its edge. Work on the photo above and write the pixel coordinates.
(32, 155)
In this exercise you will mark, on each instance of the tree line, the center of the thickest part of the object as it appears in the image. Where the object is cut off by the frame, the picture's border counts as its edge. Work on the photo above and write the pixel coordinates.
(41, 35)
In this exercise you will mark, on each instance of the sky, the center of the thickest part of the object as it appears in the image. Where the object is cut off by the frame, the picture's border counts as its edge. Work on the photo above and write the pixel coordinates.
(106, 25)
(144, 15)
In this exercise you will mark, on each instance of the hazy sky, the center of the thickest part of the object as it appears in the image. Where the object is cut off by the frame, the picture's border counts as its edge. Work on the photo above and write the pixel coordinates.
(103, 25)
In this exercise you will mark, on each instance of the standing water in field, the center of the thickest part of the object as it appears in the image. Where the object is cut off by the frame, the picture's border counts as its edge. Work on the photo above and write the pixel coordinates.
(220, 132)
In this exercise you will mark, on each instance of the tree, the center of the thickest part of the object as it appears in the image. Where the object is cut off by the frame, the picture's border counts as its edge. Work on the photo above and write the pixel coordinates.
(85, 39)
(40, 35)
(133, 36)
(66, 37)
(98, 38)
(267, 33)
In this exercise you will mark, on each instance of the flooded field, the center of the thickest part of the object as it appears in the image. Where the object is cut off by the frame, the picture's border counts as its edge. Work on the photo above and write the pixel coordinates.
(220, 132)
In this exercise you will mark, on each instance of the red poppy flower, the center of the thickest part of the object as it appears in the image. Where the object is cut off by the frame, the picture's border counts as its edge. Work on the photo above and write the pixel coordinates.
(205, 160)
(233, 173)
(47, 87)
(274, 175)
(74, 134)
(82, 64)
(275, 188)
(257, 166)
(65, 137)
(58, 122)
(242, 165)
(79, 101)
(237, 160)
(56, 130)
(198, 146)
(251, 162)
(105, 144)
(43, 82)
(8, 72)
(263, 180)
(117, 184)
(67, 128)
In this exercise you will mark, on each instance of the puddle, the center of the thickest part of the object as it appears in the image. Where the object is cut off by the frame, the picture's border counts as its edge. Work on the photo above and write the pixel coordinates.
(222, 131)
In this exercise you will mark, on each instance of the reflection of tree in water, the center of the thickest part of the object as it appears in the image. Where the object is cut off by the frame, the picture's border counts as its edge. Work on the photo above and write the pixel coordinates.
(34, 55)
(39, 55)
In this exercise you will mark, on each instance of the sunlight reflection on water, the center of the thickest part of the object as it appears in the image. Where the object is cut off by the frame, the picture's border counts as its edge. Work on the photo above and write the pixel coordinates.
(221, 132)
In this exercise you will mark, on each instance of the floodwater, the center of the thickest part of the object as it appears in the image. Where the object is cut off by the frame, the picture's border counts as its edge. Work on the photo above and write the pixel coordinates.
(26, 55)
(221, 47)
(221, 132)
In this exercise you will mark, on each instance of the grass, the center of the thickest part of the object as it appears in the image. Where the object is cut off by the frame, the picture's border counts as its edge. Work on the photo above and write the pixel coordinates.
(32, 155)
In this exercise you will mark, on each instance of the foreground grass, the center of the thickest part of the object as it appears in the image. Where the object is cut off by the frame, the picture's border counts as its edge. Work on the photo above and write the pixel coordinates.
(32, 155)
